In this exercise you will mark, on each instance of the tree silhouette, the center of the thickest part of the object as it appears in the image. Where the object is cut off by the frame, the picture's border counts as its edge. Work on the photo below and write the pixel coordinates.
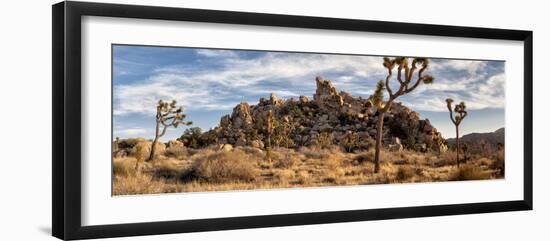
(460, 114)
(405, 73)
(167, 115)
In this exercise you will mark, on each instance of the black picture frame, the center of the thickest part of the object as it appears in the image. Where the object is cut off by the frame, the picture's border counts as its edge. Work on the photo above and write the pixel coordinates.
(66, 157)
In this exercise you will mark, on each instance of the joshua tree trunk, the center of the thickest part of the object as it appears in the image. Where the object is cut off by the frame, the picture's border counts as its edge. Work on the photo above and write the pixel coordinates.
(268, 147)
(457, 148)
(380, 125)
(152, 153)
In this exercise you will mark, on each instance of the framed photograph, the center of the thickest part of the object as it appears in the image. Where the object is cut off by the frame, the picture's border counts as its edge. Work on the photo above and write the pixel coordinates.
(172, 120)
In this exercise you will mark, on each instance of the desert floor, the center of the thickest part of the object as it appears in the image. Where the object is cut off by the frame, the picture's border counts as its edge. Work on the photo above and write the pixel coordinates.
(245, 168)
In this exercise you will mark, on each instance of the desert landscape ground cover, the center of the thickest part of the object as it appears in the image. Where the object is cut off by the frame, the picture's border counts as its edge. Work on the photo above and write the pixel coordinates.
(245, 168)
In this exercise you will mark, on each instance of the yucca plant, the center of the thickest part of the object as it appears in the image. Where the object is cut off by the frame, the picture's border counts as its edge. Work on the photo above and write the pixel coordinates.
(269, 128)
(167, 115)
(460, 114)
(405, 74)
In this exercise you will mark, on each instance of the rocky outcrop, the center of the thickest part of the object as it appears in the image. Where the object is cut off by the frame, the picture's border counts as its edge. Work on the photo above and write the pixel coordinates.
(303, 121)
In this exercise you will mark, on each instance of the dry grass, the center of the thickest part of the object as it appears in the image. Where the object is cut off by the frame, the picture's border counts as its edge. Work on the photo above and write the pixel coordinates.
(219, 167)
(176, 152)
(404, 173)
(468, 172)
(246, 168)
(124, 167)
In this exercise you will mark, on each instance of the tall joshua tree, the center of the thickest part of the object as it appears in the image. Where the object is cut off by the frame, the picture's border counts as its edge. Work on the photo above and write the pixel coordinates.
(270, 127)
(405, 74)
(167, 115)
(460, 114)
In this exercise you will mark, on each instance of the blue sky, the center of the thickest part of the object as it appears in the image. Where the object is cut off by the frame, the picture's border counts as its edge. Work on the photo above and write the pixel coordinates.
(210, 82)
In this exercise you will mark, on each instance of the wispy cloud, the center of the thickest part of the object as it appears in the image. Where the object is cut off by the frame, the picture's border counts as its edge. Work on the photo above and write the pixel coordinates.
(131, 131)
(219, 79)
(216, 53)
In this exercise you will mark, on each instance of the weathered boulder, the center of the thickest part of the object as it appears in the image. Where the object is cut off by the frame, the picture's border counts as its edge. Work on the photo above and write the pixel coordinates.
(174, 144)
(257, 144)
(142, 149)
(303, 99)
(241, 117)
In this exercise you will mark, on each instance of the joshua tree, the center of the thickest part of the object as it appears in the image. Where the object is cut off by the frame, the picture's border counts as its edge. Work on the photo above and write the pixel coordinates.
(483, 144)
(282, 133)
(460, 114)
(115, 145)
(405, 73)
(324, 140)
(167, 115)
(269, 128)
(349, 141)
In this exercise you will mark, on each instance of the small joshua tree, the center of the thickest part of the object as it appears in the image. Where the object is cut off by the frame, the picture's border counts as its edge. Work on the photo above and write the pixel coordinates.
(349, 141)
(269, 128)
(483, 144)
(115, 145)
(405, 74)
(282, 136)
(324, 140)
(167, 115)
(460, 114)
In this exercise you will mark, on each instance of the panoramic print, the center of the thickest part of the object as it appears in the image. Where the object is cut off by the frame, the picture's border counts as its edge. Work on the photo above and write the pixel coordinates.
(199, 120)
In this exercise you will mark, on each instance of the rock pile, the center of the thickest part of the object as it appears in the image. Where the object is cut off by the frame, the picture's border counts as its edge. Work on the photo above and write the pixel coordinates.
(331, 113)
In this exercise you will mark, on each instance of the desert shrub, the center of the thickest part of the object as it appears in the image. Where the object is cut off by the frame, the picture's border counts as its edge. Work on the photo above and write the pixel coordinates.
(129, 143)
(324, 140)
(350, 141)
(124, 167)
(410, 139)
(333, 162)
(192, 137)
(176, 151)
(222, 167)
(141, 183)
(404, 173)
(368, 156)
(283, 176)
(468, 172)
(314, 153)
(364, 157)
(329, 180)
(258, 153)
(166, 169)
(303, 177)
(195, 138)
(446, 158)
(288, 161)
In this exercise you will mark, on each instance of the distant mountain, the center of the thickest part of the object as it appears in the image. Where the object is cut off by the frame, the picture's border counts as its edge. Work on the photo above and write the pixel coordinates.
(475, 139)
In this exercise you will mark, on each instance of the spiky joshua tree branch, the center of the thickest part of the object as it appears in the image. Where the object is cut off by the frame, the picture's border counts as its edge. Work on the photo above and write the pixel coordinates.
(405, 75)
(168, 115)
(460, 114)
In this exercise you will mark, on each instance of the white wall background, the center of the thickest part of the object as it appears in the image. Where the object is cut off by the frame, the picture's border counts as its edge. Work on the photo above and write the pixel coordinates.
(25, 123)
